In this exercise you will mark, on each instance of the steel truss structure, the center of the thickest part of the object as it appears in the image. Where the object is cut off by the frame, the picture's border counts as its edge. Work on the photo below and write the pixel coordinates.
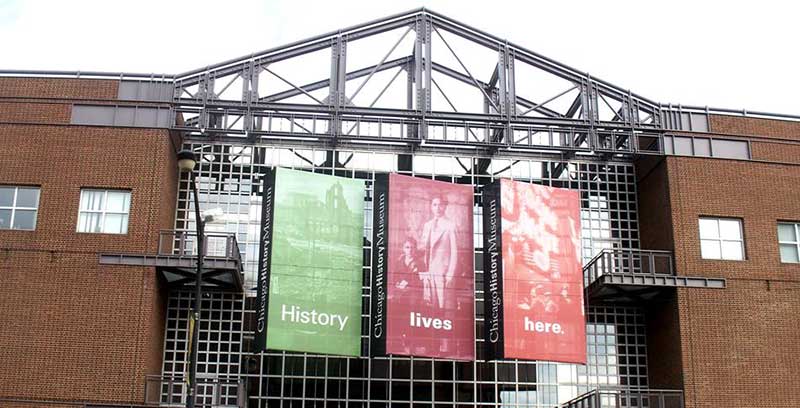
(521, 100)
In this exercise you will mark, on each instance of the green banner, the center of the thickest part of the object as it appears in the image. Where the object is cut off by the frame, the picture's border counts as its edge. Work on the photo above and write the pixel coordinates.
(316, 264)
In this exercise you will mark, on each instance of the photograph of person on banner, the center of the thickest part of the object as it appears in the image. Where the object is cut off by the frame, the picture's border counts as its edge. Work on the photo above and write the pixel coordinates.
(543, 274)
(431, 273)
(438, 243)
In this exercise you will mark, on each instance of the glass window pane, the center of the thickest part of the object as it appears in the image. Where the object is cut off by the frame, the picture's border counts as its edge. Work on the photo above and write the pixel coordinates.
(28, 197)
(117, 201)
(89, 222)
(708, 229)
(5, 218)
(730, 229)
(24, 219)
(124, 225)
(6, 196)
(787, 233)
(113, 224)
(710, 249)
(789, 253)
(91, 200)
(732, 250)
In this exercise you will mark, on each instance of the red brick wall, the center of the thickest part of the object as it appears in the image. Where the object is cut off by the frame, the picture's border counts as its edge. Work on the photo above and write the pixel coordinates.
(15, 403)
(770, 140)
(73, 329)
(739, 346)
(14, 112)
(655, 222)
(49, 88)
(759, 193)
(775, 151)
(664, 369)
(655, 232)
(76, 330)
(748, 126)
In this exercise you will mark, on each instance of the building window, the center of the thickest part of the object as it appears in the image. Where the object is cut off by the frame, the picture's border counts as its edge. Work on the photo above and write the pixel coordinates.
(721, 238)
(789, 241)
(104, 211)
(18, 207)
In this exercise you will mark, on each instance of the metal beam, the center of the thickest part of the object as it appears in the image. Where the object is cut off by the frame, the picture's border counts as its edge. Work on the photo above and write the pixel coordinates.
(575, 106)
(464, 67)
(456, 75)
(326, 82)
(188, 105)
(304, 46)
(539, 107)
(378, 66)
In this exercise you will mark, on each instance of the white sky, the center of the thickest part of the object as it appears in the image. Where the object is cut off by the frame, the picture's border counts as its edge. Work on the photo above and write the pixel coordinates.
(725, 54)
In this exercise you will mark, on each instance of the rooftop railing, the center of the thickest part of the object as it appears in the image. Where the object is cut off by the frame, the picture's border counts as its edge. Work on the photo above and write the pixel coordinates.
(627, 398)
(629, 261)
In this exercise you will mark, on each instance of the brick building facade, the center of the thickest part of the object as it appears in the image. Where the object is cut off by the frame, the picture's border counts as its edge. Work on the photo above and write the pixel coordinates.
(737, 346)
(73, 329)
(88, 319)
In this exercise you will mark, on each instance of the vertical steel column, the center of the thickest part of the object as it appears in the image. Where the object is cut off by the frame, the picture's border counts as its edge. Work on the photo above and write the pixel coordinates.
(410, 69)
(657, 112)
(506, 98)
(589, 109)
(422, 70)
(511, 80)
(205, 93)
(418, 86)
(177, 93)
(336, 89)
(341, 73)
(428, 62)
(412, 131)
(633, 120)
(502, 98)
(249, 76)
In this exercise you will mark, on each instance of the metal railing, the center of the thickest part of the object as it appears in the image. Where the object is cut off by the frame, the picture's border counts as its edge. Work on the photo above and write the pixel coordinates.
(184, 243)
(214, 392)
(627, 398)
(628, 261)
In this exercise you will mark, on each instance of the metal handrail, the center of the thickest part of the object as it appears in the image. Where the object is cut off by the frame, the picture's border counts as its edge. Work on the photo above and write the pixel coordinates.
(629, 261)
(86, 75)
(729, 112)
(183, 243)
(627, 398)
(214, 392)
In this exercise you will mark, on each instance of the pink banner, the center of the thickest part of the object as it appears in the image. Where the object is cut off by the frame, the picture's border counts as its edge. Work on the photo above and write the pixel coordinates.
(542, 273)
(430, 279)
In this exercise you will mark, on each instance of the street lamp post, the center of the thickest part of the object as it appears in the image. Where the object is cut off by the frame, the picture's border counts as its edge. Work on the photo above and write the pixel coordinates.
(186, 163)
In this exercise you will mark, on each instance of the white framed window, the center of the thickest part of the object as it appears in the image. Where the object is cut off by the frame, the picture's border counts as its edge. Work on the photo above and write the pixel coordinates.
(789, 241)
(19, 206)
(721, 238)
(104, 211)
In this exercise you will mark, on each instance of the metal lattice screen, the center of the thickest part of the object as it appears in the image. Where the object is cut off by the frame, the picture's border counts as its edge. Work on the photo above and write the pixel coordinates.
(230, 179)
